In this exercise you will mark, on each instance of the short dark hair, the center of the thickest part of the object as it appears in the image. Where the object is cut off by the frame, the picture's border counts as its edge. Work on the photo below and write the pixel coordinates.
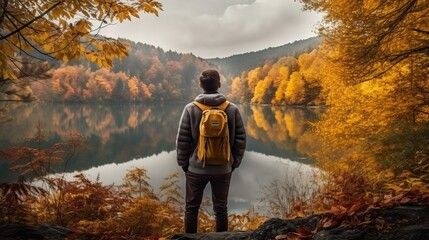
(210, 80)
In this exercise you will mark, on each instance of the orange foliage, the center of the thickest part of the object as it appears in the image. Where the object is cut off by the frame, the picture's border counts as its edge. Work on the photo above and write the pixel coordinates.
(69, 81)
(145, 90)
(347, 200)
(133, 85)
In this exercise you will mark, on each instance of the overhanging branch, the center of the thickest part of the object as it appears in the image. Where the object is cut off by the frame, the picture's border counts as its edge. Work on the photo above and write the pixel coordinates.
(31, 21)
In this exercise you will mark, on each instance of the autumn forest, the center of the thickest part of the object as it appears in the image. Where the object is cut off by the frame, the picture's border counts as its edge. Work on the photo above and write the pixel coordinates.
(367, 74)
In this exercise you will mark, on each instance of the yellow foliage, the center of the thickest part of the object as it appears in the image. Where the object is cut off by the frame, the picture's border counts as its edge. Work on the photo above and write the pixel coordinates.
(273, 84)
(283, 80)
(248, 221)
(62, 29)
(254, 76)
(295, 89)
(139, 217)
(374, 75)
(294, 124)
(260, 90)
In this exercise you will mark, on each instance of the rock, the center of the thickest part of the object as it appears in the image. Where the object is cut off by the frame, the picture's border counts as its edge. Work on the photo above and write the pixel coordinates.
(342, 234)
(408, 222)
(20, 231)
(272, 228)
(310, 221)
(408, 214)
(234, 235)
(52, 232)
(413, 232)
(405, 223)
(275, 227)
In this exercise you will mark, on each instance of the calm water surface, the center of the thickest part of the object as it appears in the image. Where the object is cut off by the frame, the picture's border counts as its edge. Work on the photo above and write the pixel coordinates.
(123, 135)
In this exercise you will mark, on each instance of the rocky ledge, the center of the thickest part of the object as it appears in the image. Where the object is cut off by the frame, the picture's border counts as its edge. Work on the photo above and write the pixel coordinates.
(397, 223)
(401, 222)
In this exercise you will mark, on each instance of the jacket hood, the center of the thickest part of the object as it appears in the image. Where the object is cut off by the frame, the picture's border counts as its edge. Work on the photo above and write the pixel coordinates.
(211, 99)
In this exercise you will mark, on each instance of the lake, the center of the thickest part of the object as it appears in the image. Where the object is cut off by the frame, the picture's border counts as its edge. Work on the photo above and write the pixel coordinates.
(120, 136)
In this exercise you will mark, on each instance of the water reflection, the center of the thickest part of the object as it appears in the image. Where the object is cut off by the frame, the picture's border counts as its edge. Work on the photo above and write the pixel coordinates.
(114, 133)
(119, 132)
(280, 131)
(256, 170)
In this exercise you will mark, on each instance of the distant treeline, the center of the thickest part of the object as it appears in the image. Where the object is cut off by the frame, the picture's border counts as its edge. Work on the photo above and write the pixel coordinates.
(151, 74)
(148, 73)
(236, 64)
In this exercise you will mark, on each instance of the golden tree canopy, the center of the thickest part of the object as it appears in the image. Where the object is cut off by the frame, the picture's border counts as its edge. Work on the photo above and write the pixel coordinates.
(371, 37)
(64, 30)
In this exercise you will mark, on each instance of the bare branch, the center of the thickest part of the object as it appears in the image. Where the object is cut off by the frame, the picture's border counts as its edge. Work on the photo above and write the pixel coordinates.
(31, 21)
(4, 10)
(420, 31)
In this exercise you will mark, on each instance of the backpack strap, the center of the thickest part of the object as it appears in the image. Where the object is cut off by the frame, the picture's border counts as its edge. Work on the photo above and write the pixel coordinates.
(204, 107)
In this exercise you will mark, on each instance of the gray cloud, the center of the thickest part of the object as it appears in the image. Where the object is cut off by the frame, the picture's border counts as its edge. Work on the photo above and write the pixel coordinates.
(219, 28)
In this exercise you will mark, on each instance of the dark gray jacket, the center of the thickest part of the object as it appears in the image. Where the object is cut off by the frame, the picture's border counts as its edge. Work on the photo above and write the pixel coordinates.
(188, 133)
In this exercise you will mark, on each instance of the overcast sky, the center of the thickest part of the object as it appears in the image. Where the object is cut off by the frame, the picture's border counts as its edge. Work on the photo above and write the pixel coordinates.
(220, 28)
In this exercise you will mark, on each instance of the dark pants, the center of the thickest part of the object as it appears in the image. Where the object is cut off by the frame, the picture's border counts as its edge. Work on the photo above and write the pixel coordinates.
(195, 184)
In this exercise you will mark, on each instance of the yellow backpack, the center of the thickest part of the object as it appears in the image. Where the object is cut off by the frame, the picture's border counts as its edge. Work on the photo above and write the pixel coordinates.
(213, 146)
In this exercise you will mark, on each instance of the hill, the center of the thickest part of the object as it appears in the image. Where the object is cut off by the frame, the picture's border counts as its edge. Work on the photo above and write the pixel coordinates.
(233, 66)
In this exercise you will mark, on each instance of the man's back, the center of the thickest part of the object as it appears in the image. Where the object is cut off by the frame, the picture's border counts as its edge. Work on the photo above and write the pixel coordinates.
(190, 134)
(199, 174)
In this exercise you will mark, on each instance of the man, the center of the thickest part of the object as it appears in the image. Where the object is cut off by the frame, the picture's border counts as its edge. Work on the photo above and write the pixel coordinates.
(198, 174)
